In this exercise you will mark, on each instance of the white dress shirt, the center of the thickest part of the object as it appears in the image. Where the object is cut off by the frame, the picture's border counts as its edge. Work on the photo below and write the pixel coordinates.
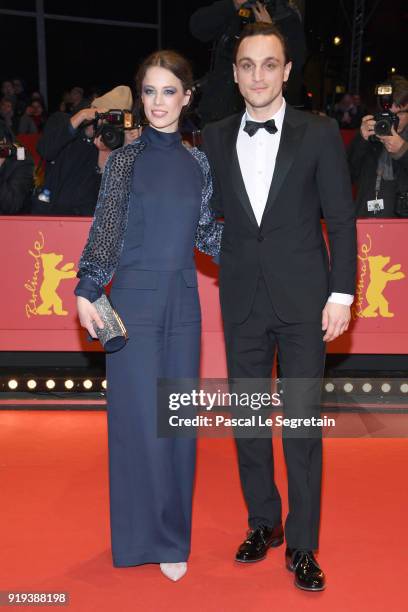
(257, 158)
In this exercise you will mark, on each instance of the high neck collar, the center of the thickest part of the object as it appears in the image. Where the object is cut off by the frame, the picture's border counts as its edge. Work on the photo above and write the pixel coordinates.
(161, 139)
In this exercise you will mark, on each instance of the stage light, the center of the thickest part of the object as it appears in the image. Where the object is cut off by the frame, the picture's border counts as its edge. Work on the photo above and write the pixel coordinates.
(31, 384)
(404, 388)
(50, 384)
(337, 40)
(87, 384)
(368, 59)
(348, 387)
(367, 387)
(104, 385)
(386, 387)
(393, 70)
(69, 384)
(329, 387)
(12, 384)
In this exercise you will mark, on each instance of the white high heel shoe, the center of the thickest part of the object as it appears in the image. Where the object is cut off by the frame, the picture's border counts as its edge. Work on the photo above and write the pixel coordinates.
(174, 571)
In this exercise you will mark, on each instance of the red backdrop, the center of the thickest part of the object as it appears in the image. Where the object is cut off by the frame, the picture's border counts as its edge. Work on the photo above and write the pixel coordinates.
(40, 256)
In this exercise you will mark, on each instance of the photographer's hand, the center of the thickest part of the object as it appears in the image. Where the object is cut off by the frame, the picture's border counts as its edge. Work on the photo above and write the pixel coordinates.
(261, 13)
(392, 143)
(367, 126)
(86, 114)
(131, 135)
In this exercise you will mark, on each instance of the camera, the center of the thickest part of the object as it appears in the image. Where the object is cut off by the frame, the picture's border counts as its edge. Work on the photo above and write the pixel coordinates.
(11, 150)
(111, 126)
(385, 120)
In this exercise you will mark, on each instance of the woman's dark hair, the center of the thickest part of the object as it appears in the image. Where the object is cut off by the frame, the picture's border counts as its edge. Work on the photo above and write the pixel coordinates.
(262, 29)
(172, 61)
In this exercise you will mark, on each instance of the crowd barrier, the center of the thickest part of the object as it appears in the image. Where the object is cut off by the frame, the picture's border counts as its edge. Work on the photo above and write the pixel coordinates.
(40, 256)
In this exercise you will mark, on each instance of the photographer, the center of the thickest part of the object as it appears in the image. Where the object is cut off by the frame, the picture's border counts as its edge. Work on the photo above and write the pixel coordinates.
(16, 176)
(379, 164)
(75, 158)
(221, 23)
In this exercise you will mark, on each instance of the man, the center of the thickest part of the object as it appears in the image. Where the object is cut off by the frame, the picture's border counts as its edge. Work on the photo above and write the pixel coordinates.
(274, 170)
(379, 166)
(16, 177)
(221, 23)
(75, 160)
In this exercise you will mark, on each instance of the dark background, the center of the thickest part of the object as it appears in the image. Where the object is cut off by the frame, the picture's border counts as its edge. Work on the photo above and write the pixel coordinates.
(102, 57)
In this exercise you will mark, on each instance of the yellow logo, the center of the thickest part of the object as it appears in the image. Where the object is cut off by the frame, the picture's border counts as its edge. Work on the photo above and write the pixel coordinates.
(51, 302)
(379, 277)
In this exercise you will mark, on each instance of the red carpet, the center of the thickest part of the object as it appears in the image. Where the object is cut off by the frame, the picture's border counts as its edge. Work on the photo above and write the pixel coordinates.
(55, 530)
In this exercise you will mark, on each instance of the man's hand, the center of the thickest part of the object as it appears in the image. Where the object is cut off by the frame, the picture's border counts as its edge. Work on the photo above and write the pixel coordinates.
(367, 126)
(335, 320)
(392, 143)
(131, 135)
(261, 13)
(86, 114)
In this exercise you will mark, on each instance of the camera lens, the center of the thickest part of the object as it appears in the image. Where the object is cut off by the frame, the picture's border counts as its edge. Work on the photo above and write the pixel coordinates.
(383, 127)
(112, 137)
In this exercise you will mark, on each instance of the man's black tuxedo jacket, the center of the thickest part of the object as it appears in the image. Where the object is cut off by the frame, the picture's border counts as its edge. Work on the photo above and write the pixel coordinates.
(288, 248)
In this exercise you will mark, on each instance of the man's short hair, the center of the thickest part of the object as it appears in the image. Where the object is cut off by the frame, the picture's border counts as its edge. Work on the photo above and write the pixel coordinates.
(262, 29)
(400, 90)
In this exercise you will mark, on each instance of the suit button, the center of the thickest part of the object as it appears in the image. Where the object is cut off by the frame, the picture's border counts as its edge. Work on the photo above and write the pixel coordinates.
(260, 238)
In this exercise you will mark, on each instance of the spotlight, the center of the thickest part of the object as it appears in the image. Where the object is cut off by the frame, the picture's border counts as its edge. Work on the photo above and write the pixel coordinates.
(404, 388)
(104, 385)
(50, 384)
(69, 384)
(367, 387)
(329, 387)
(348, 387)
(87, 384)
(393, 70)
(337, 41)
(386, 387)
(368, 59)
(31, 384)
(12, 384)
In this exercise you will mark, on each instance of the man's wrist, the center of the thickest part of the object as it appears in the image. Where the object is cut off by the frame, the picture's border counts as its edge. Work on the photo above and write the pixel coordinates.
(345, 299)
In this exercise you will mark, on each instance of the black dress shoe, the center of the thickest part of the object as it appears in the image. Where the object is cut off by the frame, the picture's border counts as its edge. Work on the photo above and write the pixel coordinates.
(308, 575)
(255, 547)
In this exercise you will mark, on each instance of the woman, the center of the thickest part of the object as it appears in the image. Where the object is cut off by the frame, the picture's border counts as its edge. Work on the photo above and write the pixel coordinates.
(152, 209)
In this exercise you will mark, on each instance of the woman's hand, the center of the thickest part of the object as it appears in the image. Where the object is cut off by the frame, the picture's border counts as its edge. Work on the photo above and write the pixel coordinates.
(87, 315)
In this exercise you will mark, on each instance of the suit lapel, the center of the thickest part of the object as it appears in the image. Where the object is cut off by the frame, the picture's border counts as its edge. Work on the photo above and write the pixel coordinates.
(230, 147)
(292, 133)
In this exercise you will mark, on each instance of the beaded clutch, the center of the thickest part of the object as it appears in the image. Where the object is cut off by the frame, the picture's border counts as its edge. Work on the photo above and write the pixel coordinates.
(114, 335)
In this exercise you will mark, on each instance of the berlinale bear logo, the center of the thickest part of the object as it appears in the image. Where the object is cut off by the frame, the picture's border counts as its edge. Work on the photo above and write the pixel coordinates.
(377, 304)
(51, 302)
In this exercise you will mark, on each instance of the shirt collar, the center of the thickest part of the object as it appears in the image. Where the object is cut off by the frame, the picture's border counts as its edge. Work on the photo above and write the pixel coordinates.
(278, 116)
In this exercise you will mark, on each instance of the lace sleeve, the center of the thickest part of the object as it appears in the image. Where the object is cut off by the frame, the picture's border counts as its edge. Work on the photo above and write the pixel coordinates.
(102, 251)
(209, 230)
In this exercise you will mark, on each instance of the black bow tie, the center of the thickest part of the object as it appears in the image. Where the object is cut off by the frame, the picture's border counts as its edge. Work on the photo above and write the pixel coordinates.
(251, 127)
